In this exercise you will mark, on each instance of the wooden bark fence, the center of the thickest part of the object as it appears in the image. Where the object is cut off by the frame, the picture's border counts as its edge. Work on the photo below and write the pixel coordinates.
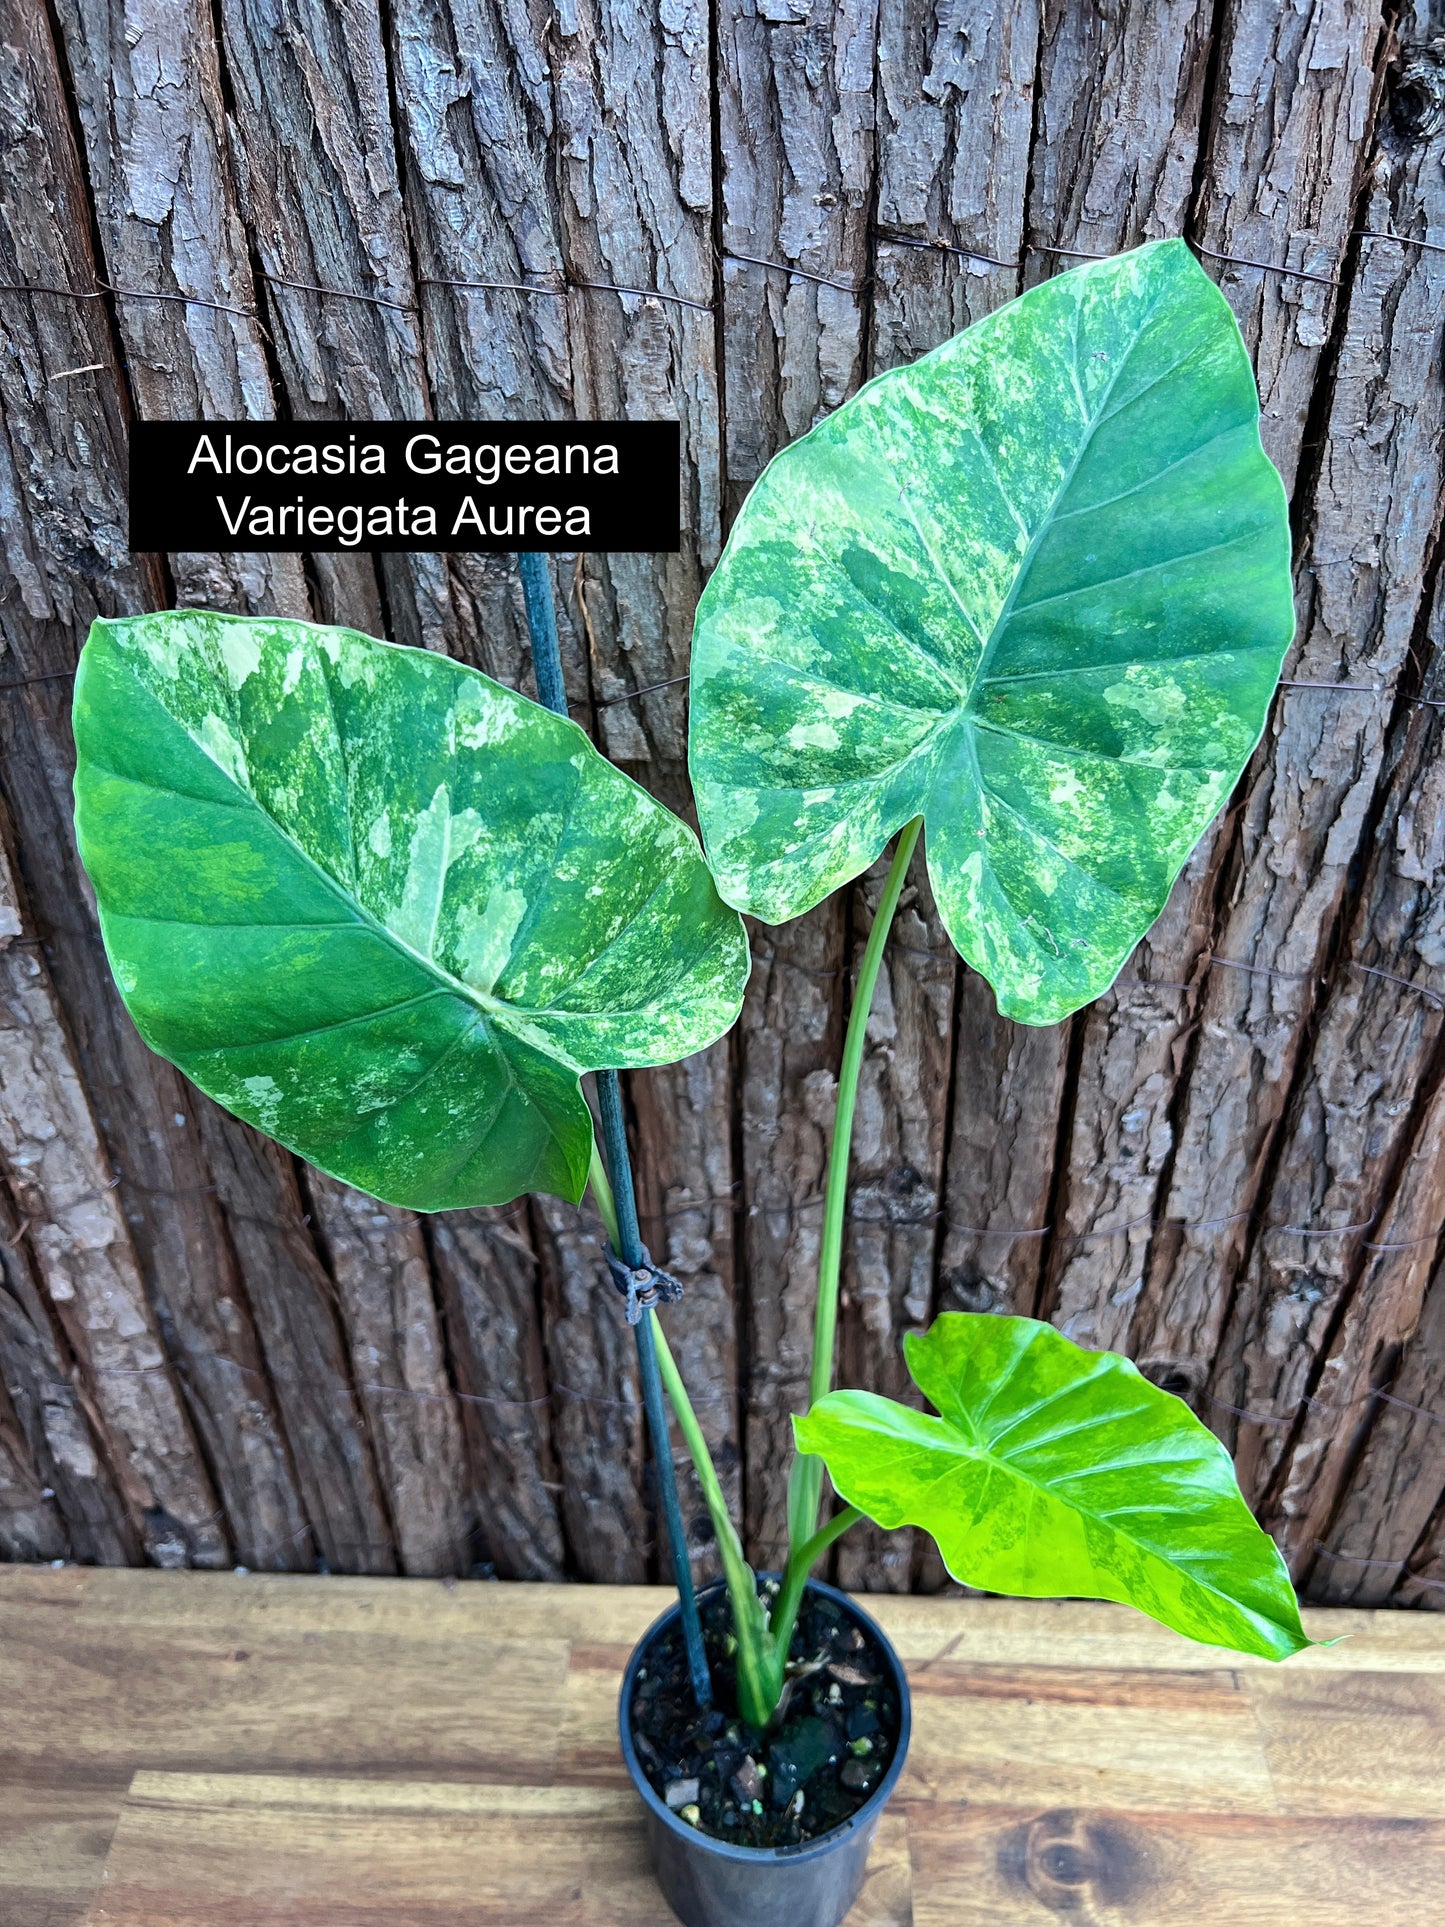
(1231, 1167)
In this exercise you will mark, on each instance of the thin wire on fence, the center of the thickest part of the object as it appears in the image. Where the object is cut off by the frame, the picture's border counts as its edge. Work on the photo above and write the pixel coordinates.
(739, 1396)
(899, 1217)
(1395, 1565)
(1207, 961)
(565, 279)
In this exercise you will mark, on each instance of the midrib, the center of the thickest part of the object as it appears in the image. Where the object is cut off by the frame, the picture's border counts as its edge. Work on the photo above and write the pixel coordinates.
(1046, 522)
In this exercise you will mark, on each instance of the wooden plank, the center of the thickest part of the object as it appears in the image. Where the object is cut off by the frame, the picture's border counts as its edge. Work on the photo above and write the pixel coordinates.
(89, 1701)
(319, 1851)
(1033, 1731)
(1041, 1730)
(53, 1847)
(1038, 1735)
(148, 1608)
(1015, 1867)
(1367, 1743)
(1092, 1636)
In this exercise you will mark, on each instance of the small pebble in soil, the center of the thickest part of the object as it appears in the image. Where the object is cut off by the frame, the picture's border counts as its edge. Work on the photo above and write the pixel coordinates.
(796, 1780)
(850, 1675)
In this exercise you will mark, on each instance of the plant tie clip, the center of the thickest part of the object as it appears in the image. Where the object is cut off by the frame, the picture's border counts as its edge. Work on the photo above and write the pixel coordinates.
(642, 1285)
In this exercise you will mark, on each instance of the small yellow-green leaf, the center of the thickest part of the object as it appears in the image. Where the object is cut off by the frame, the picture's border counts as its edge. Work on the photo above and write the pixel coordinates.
(1055, 1472)
(1034, 588)
(381, 907)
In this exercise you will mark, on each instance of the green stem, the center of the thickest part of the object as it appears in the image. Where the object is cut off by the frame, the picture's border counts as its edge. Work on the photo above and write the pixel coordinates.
(830, 1255)
(801, 1561)
(760, 1674)
(602, 1194)
(805, 1481)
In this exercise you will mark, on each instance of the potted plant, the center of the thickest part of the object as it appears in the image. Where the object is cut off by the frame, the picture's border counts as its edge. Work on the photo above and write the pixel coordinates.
(1032, 592)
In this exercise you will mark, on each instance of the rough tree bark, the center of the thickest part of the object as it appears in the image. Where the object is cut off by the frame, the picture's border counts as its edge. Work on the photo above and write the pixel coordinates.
(1229, 1167)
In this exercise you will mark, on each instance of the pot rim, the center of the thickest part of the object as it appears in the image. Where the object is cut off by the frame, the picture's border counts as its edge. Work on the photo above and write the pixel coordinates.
(805, 1850)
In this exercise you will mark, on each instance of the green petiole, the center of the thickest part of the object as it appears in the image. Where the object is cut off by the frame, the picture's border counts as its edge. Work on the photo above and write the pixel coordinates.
(763, 1639)
(805, 1482)
(602, 1195)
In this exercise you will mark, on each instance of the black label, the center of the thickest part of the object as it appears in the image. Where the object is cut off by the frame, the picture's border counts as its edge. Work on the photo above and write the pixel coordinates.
(477, 487)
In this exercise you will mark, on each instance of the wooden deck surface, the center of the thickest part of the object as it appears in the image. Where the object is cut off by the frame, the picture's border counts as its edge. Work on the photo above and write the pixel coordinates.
(188, 1748)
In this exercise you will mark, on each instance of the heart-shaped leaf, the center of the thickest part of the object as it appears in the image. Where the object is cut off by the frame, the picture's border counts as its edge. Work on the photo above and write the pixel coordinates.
(1036, 588)
(1052, 1471)
(381, 907)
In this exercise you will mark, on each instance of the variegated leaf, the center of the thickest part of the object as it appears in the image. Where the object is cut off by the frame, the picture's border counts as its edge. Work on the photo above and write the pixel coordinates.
(1035, 587)
(381, 907)
(1051, 1472)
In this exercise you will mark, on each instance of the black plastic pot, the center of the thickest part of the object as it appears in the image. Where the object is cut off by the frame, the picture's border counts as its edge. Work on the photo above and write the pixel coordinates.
(710, 1883)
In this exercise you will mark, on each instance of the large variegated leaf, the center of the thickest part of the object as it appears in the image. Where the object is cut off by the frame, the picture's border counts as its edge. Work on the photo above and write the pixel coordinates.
(1051, 1471)
(381, 907)
(1036, 588)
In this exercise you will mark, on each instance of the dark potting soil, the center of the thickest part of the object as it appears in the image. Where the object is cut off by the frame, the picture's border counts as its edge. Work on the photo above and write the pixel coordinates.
(826, 1750)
